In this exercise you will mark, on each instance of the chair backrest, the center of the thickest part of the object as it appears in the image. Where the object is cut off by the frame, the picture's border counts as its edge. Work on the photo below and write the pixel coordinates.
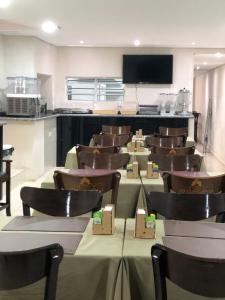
(103, 161)
(59, 203)
(173, 131)
(187, 207)
(89, 181)
(193, 183)
(22, 268)
(173, 151)
(98, 149)
(111, 139)
(165, 141)
(197, 275)
(116, 129)
(177, 162)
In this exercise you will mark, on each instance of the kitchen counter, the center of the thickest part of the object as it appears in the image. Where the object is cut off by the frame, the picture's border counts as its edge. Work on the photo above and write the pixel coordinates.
(94, 115)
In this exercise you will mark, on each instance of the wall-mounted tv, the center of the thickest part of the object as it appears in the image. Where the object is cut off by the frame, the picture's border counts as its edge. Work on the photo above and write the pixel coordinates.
(150, 69)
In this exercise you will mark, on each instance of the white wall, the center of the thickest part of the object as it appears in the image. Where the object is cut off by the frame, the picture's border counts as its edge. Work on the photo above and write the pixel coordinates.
(2, 66)
(30, 56)
(212, 85)
(103, 62)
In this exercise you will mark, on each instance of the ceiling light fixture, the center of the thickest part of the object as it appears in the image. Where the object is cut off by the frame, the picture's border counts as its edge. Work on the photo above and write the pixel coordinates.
(49, 27)
(81, 42)
(197, 68)
(218, 55)
(5, 3)
(205, 63)
(193, 43)
(137, 43)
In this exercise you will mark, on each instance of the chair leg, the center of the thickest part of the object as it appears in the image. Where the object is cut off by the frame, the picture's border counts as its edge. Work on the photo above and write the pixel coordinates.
(8, 200)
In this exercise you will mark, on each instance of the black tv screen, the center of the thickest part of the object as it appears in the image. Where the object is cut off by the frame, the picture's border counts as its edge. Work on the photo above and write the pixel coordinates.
(154, 69)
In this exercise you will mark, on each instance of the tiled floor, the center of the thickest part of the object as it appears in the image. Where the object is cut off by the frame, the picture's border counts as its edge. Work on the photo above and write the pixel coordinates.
(212, 164)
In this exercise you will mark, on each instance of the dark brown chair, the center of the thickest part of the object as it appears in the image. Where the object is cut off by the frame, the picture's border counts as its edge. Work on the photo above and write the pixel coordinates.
(167, 141)
(116, 129)
(103, 161)
(22, 268)
(193, 182)
(110, 149)
(173, 151)
(173, 131)
(201, 276)
(111, 140)
(5, 176)
(186, 207)
(99, 180)
(177, 162)
(59, 203)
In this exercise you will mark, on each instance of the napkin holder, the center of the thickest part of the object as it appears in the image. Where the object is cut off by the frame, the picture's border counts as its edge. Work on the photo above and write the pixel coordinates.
(140, 146)
(151, 173)
(131, 147)
(107, 227)
(133, 172)
(141, 231)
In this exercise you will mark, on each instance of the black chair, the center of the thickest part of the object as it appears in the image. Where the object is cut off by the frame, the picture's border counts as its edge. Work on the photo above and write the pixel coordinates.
(190, 162)
(110, 161)
(59, 203)
(201, 276)
(19, 269)
(187, 207)
(5, 176)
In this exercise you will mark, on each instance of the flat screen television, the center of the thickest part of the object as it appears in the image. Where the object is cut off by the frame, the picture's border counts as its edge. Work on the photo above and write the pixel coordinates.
(151, 69)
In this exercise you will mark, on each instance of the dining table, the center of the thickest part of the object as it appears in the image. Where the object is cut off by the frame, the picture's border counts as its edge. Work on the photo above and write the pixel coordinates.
(91, 270)
(107, 267)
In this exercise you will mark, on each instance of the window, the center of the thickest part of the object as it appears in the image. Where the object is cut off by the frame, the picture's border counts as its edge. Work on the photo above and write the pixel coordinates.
(94, 89)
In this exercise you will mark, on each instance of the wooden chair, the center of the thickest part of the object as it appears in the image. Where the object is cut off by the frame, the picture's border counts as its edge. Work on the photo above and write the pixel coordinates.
(167, 141)
(183, 131)
(110, 149)
(186, 207)
(59, 203)
(111, 140)
(173, 151)
(19, 269)
(193, 183)
(89, 180)
(116, 129)
(5, 176)
(177, 162)
(103, 161)
(201, 276)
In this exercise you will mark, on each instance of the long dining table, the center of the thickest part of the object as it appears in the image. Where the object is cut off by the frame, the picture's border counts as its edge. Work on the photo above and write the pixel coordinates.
(108, 267)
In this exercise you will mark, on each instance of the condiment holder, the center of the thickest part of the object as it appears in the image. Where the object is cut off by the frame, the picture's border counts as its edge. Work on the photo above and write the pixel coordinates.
(145, 225)
(104, 221)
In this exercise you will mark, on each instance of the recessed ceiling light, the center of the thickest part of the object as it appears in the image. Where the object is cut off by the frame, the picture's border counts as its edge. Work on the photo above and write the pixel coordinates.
(197, 68)
(49, 27)
(193, 43)
(81, 42)
(218, 54)
(5, 3)
(137, 43)
(205, 63)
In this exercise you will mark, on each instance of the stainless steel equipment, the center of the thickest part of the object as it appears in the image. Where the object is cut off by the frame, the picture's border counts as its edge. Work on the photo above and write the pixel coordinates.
(23, 97)
(72, 111)
(22, 106)
(149, 110)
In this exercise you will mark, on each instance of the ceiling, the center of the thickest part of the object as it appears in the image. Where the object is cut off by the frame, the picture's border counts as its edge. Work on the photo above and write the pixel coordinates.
(161, 23)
